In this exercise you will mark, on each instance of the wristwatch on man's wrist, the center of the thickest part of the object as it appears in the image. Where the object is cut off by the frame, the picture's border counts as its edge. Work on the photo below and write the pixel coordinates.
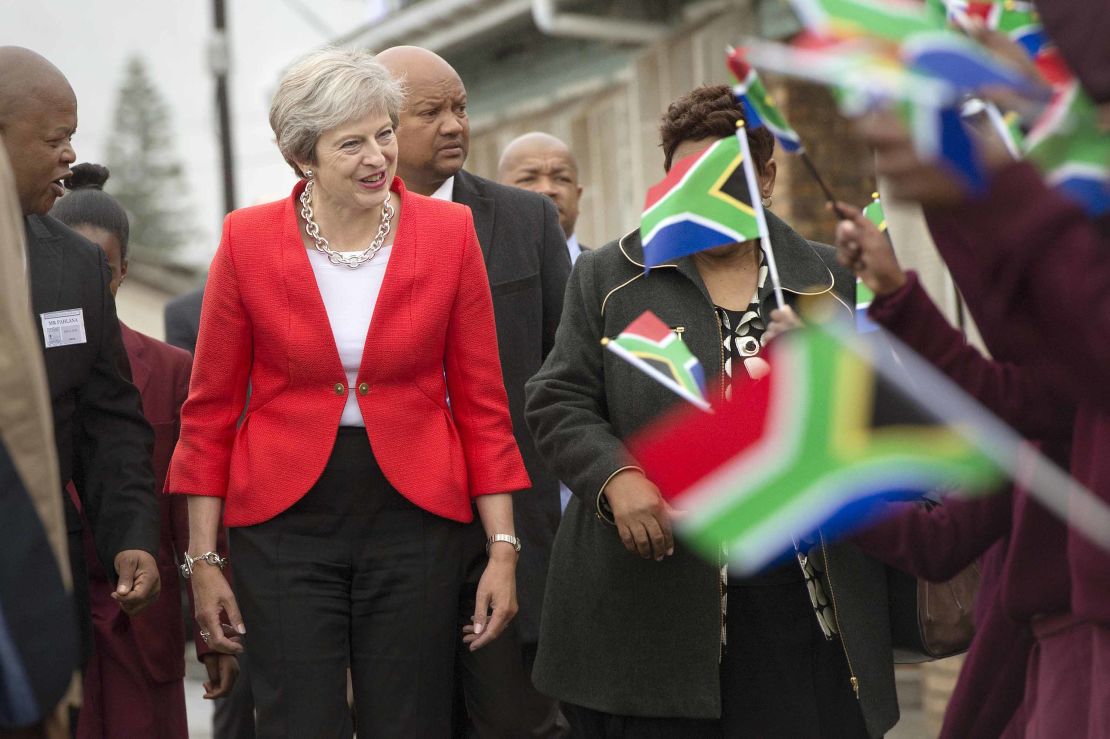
(507, 538)
(208, 558)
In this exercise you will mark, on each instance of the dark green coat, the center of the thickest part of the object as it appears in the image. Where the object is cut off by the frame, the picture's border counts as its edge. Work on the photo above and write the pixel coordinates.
(631, 636)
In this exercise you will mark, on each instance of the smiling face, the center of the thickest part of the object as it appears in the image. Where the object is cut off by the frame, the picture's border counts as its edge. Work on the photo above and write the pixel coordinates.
(38, 136)
(544, 165)
(355, 163)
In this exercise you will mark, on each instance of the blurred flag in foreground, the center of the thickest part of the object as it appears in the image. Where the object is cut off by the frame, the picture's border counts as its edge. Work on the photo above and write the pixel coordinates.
(1067, 145)
(874, 213)
(839, 423)
(652, 347)
(890, 20)
(759, 109)
(704, 201)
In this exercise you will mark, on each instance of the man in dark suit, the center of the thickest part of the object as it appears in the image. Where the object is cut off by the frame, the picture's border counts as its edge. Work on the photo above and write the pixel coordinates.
(104, 443)
(182, 320)
(541, 163)
(38, 631)
(527, 263)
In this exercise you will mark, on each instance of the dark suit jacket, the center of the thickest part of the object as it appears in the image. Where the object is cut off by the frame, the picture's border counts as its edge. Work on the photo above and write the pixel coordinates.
(527, 263)
(182, 320)
(104, 443)
(37, 625)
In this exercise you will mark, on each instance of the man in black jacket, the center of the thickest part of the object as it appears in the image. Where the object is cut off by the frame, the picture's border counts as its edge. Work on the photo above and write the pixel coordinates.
(527, 263)
(104, 443)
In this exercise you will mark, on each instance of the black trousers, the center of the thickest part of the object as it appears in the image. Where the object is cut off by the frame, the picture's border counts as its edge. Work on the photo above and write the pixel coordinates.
(351, 575)
(495, 698)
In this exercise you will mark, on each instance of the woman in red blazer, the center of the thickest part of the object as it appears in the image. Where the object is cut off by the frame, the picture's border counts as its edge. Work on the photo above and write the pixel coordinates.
(360, 316)
(133, 684)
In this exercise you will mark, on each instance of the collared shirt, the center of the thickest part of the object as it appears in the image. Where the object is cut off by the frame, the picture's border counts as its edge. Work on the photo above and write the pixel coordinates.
(574, 249)
(446, 191)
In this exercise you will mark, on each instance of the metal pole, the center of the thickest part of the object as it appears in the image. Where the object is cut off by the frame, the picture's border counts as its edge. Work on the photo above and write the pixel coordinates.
(219, 61)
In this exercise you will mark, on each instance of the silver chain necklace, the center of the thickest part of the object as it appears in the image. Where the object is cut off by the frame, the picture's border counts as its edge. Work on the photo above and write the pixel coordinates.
(352, 261)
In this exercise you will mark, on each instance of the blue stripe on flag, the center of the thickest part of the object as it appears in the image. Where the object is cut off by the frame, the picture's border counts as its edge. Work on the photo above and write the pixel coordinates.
(788, 140)
(682, 238)
(864, 324)
(957, 148)
(1092, 192)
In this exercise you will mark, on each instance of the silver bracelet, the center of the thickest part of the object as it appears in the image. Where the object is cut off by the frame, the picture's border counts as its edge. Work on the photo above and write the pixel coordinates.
(507, 538)
(208, 558)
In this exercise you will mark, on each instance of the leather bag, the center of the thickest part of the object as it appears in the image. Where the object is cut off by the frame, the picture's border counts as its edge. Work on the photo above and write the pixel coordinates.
(932, 621)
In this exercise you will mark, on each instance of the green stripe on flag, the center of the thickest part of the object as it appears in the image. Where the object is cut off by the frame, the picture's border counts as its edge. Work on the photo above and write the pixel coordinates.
(698, 194)
(820, 450)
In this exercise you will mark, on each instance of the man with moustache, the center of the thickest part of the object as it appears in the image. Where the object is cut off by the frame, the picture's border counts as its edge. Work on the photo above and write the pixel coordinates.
(103, 442)
(526, 259)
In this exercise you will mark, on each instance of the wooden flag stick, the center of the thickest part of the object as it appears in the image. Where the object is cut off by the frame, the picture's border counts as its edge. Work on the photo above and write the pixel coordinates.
(821, 183)
(760, 217)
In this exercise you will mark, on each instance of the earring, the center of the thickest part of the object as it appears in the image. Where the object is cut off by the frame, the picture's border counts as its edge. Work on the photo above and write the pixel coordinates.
(766, 202)
(308, 174)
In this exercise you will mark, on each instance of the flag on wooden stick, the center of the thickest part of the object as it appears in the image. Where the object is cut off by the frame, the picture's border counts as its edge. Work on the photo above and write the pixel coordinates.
(839, 422)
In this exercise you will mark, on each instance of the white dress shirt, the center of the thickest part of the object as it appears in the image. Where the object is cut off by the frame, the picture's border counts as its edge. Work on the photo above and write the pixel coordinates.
(446, 191)
(349, 298)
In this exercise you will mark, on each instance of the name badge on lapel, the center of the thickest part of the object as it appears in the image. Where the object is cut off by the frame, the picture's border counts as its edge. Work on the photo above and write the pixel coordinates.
(64, 327)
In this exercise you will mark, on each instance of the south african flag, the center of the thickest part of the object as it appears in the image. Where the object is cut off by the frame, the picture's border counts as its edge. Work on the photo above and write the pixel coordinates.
(1067, 145)
(759, 109)
(874, 213)
(650, 346)
(820, 439)
(703, 202)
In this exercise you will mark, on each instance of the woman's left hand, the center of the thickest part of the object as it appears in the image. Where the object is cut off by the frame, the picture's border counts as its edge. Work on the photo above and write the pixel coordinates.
(497, 593)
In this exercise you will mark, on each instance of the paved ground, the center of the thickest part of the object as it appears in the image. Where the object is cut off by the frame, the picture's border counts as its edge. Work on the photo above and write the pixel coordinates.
(199, 710)
(912, 725)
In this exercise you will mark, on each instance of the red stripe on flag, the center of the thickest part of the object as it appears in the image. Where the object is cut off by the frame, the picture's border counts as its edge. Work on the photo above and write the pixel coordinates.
(678, 171)
(738, 65)
(685, 446)
(649, 327)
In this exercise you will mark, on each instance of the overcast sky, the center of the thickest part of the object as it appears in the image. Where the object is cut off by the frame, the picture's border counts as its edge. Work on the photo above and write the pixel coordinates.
(91, 40)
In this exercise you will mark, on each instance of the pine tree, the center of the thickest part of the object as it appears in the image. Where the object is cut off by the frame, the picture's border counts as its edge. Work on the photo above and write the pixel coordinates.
(146, 177)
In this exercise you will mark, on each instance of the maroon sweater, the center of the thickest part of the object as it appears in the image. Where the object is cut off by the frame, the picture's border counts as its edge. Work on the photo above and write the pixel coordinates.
(1035, 272)
(1035, 576)
(1024, 571)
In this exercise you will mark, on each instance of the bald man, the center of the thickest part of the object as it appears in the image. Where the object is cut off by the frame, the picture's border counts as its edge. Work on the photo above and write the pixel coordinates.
(526, 260)
(544, 164)
(103, 442)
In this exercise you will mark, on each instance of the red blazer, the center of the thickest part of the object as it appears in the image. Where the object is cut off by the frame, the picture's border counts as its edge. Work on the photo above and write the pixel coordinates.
(432, 333)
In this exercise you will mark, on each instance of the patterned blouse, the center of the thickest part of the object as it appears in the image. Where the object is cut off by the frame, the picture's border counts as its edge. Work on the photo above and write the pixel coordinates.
(742, 339)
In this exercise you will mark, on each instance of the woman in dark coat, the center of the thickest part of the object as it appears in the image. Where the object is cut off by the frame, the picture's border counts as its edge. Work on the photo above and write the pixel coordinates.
(640, 637)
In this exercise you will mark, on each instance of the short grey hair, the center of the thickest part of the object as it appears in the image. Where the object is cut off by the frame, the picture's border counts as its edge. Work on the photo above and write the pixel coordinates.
(325, 89)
